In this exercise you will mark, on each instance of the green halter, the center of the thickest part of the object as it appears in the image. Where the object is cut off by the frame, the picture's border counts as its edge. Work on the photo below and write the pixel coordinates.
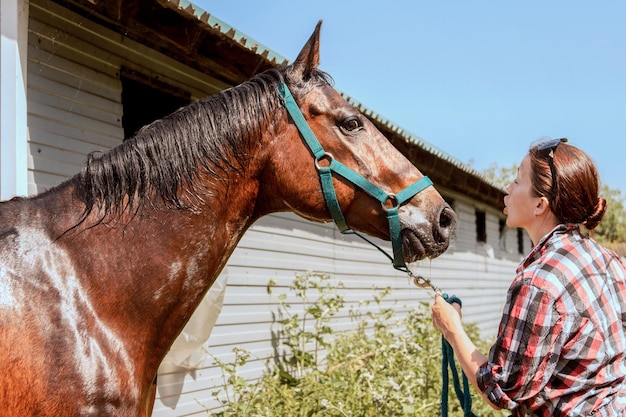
(325, 172)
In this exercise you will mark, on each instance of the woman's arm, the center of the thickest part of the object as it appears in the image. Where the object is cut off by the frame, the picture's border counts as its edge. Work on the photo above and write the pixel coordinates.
(447, 319)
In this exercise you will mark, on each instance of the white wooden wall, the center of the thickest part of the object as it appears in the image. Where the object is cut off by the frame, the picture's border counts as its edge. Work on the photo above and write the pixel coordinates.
(74, 107)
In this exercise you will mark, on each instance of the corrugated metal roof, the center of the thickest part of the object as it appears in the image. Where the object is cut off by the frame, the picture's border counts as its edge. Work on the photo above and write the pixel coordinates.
(227, 30)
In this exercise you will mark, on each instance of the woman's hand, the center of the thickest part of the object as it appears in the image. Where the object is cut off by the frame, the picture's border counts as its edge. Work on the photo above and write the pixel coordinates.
(446, 317)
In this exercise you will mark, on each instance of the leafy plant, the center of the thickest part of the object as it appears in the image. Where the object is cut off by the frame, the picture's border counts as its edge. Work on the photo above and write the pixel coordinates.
(307, 333)
(383, 367)
(240, 393)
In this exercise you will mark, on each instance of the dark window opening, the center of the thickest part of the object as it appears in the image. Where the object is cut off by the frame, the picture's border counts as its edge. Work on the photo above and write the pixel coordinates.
(520, 241)
(481, 226)
(502, 232)
(145, 101)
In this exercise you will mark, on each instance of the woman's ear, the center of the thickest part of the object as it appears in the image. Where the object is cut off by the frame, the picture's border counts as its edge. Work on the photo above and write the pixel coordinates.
(542, 207)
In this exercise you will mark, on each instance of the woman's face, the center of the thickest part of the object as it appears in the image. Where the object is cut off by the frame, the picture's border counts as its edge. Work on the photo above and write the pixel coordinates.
(520, 203)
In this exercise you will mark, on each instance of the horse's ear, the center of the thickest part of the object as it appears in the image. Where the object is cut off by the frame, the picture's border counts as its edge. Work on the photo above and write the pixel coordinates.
(309, 57)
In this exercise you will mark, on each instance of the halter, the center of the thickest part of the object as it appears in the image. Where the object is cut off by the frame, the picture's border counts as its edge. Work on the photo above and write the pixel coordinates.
(326, 164)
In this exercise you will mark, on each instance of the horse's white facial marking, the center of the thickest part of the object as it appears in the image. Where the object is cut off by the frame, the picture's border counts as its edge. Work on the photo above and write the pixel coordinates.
(72, 321)
(412, 215)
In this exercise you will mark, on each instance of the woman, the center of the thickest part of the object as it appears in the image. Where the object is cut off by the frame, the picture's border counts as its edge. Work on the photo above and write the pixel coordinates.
(561, 342)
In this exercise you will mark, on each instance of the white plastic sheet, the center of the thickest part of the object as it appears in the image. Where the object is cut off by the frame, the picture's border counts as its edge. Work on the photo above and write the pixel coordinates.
(189, 350)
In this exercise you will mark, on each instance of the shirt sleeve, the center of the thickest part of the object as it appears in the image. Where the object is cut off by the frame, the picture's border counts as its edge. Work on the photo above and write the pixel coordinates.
(526, 351)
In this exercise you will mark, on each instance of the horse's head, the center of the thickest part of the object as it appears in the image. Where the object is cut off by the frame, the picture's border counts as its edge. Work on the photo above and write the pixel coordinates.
(348, 137)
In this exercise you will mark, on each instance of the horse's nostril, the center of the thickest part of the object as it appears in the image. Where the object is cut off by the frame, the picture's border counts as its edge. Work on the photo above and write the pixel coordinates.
(446, 226)
(447, 218)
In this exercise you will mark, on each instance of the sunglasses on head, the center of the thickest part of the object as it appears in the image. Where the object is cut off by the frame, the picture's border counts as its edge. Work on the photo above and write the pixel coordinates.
(551, 145)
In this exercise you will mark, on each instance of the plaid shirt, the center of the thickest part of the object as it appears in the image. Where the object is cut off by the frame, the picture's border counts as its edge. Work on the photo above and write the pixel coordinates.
(561, 341)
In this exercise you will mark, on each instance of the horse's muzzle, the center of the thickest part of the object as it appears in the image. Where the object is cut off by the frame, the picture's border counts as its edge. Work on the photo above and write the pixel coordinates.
(418, 244)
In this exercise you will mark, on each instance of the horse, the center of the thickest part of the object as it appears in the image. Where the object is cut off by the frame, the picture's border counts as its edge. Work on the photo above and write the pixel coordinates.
(99, 274)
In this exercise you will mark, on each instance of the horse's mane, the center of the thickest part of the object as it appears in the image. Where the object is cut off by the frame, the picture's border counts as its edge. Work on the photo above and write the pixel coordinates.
(164, 157)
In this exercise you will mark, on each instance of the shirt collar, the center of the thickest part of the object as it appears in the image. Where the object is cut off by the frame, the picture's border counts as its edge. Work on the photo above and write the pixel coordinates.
(542, 246)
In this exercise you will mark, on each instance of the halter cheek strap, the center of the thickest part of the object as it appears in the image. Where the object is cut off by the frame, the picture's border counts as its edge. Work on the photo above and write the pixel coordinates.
(326, 164)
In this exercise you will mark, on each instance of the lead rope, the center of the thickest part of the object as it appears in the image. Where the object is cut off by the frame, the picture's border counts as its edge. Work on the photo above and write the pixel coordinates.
(447, 358)
(462, 394)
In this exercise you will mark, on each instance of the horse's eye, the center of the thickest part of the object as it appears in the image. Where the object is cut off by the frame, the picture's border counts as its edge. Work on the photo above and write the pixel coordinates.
(351, 124)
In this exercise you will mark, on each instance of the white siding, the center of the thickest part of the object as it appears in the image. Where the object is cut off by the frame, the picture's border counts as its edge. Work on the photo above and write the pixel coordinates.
(466, 231)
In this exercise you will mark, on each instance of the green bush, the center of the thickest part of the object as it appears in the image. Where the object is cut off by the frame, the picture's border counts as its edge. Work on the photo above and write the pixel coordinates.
(381, 368)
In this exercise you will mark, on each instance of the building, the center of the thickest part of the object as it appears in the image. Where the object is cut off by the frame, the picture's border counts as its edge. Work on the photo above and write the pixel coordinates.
(79, 76)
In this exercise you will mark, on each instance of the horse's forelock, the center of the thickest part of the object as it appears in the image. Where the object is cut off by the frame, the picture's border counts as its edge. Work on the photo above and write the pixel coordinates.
(301, 86)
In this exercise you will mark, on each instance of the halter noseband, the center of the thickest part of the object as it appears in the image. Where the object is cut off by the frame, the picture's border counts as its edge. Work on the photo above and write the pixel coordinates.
(325, 172)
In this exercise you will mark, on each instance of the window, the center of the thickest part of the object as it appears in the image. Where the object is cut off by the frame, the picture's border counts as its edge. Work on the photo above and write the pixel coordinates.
(502, 231)
(145, 100)
(520, 241)
(481, 226)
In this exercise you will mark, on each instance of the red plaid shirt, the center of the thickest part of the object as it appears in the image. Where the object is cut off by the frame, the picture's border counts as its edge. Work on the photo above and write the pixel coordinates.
(561, 341)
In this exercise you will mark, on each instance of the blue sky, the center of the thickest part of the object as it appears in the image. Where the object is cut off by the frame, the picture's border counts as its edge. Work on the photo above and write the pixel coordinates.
(480, 80)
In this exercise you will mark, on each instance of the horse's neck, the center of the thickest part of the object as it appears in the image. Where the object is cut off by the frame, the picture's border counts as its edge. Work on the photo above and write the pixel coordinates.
(146, 273)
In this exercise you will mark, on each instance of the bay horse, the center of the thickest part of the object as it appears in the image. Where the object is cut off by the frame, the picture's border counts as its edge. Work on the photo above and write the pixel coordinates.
(100, 274)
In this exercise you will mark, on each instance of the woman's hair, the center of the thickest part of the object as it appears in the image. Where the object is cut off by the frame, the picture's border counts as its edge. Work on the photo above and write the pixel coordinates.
(568, 178)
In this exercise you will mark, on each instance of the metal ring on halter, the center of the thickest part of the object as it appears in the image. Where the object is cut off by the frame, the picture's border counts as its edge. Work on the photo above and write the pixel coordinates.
(393, 200)
(326, 155)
